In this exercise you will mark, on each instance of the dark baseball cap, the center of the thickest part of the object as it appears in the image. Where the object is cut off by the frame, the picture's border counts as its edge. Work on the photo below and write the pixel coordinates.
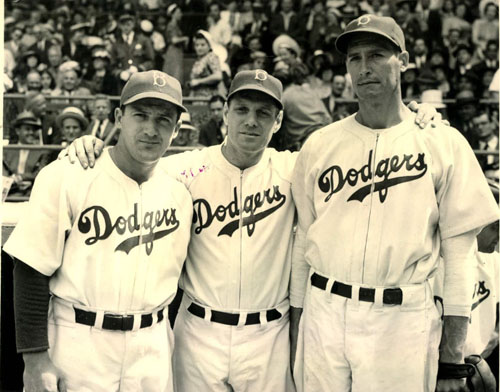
(152, 84)
(383, 26)
(257, 80)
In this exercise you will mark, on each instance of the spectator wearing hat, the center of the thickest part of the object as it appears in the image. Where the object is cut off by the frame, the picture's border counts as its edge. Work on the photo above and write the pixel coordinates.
(101, 125)
(71, 123)
(183, 137)
(23, 165)
(490, 60)
(42, 33)
(74, 48)
(99, 79)
(173, 60)
(485, 138)
(434, 97)
(463, 64)
(132, 51)
(259, 60)
(419, 54)
(206, 73)
(29, 62)
(219, 28)
(288, 22)
(461, 114)
(214, 130)
(286, 49)
(148, 30)
(485, 28)
(303, 113)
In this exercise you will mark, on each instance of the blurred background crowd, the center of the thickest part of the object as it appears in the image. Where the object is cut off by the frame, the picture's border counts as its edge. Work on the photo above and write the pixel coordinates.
(66, 61)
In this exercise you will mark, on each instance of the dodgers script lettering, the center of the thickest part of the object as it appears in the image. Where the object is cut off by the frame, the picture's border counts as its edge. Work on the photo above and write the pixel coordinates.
(204, 214)
(97, 221)
(333, 179)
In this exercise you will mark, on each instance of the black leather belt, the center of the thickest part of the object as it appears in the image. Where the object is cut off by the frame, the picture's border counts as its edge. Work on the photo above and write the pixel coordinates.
(115, 322)
(232, 318)
(390, 296)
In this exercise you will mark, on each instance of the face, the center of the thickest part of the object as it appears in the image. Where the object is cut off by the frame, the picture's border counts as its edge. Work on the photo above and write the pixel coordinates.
(201, 47)
(251, 118)
(454, 36)
(78, 35)
(491, 51)
(216, 109)
(461, 10)
(420, 47)
(286, 5)
(28, 134)
(69, 80)
(467, 111)
(99, 63)
(214, 11)
(182, 138)
(338, 85)
(71, 129)
(34, 81)
(259, 63)
(487, 240)
(46, 80)
(437, 59)
(37, 32)
(54, 55)
(483, 127)
(32, 61)
(439, 75)
(147, 129)
(127, 26)
(286, 54)
(102, 108)
(463, 56)
(327, 75)
(490, 12)
(375, 67)
(254, 44)
(17, 35)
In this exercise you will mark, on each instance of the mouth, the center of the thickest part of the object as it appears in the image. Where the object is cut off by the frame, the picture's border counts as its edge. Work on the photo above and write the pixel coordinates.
(149, 142)
(367, 82)
(253, 134)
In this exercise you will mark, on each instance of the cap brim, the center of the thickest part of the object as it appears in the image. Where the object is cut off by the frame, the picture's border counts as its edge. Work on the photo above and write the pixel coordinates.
(32, 123)
(256, 88)
(163, 97)
(343, 39)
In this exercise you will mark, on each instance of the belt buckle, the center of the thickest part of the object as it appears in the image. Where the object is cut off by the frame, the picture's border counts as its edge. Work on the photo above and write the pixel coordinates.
(393, 296)
(118, 322)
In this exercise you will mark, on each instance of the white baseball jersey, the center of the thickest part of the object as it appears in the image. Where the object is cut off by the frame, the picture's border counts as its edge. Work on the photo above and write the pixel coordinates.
(375, 204)
(107, 242)
(239, 257)
(484, 303)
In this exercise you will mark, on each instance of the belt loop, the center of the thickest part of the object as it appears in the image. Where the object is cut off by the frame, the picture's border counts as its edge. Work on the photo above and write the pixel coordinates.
(208, 314)
(242, 319)
(354, 296)
(263, 318)
(99, 317)
(137, 322)
(379, 298)
(328, 289)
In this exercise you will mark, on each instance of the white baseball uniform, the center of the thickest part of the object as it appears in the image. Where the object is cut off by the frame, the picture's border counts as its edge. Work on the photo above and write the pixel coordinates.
(482, 327)
(238, 263)
(111, 246)
(373, 208)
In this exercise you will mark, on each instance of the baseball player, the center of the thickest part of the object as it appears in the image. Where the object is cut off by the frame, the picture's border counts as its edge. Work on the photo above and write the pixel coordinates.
(378, 200)
(110, 252)
(232, 330)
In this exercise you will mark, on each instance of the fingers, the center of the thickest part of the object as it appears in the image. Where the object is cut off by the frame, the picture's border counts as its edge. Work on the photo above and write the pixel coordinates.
(63, 153)
(88, 146)
(438, 118)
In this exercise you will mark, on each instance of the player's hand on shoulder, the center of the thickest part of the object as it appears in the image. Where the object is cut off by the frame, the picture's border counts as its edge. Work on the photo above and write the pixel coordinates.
(452, 385)
(426, 113)
(86, 149)
(40, 374)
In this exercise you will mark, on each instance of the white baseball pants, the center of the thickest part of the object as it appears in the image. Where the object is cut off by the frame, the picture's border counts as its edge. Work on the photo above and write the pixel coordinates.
(215, 357)
(95, 360)
(349, 345)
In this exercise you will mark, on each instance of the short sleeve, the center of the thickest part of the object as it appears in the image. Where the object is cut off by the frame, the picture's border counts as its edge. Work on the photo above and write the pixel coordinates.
(464, 197)
(38, 239)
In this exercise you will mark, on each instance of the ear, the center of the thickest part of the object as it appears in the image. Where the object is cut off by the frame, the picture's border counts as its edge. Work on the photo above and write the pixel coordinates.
(225, 110)
(118, 116)
(176, 129)
(278, 121)
(404, 59)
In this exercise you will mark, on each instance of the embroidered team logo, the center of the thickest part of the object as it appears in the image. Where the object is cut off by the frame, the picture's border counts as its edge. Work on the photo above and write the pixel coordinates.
(335, 178)
(255, 207)
(97, 221)
(261, 75)
(363, 20)
(159, 79)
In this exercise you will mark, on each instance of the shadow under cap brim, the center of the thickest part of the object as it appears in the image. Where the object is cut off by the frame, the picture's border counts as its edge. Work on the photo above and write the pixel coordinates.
(253, 87)
(163, 97)
(343, 40)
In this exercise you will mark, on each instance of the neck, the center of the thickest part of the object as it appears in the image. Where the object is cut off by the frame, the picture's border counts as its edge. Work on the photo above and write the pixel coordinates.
(487, 138)
(381, 113)
(137, 172)
(242, 160)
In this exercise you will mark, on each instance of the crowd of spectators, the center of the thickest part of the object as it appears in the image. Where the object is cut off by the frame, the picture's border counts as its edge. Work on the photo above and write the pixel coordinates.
(76, 53)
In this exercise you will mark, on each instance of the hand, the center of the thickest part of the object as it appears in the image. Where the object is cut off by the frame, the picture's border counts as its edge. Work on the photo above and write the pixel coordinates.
(86, 149)
(426, 113)
(452, 385)
(194, 82)
(40, 374)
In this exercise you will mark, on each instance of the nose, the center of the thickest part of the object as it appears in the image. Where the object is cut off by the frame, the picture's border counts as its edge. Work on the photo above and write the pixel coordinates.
(365, 68)
(251, 119)
(149, 128)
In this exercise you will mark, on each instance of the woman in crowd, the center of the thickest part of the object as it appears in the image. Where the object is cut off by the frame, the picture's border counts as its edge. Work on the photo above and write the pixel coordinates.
(48, 81)
(485, 28)
(206, 73)
(176, 41)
